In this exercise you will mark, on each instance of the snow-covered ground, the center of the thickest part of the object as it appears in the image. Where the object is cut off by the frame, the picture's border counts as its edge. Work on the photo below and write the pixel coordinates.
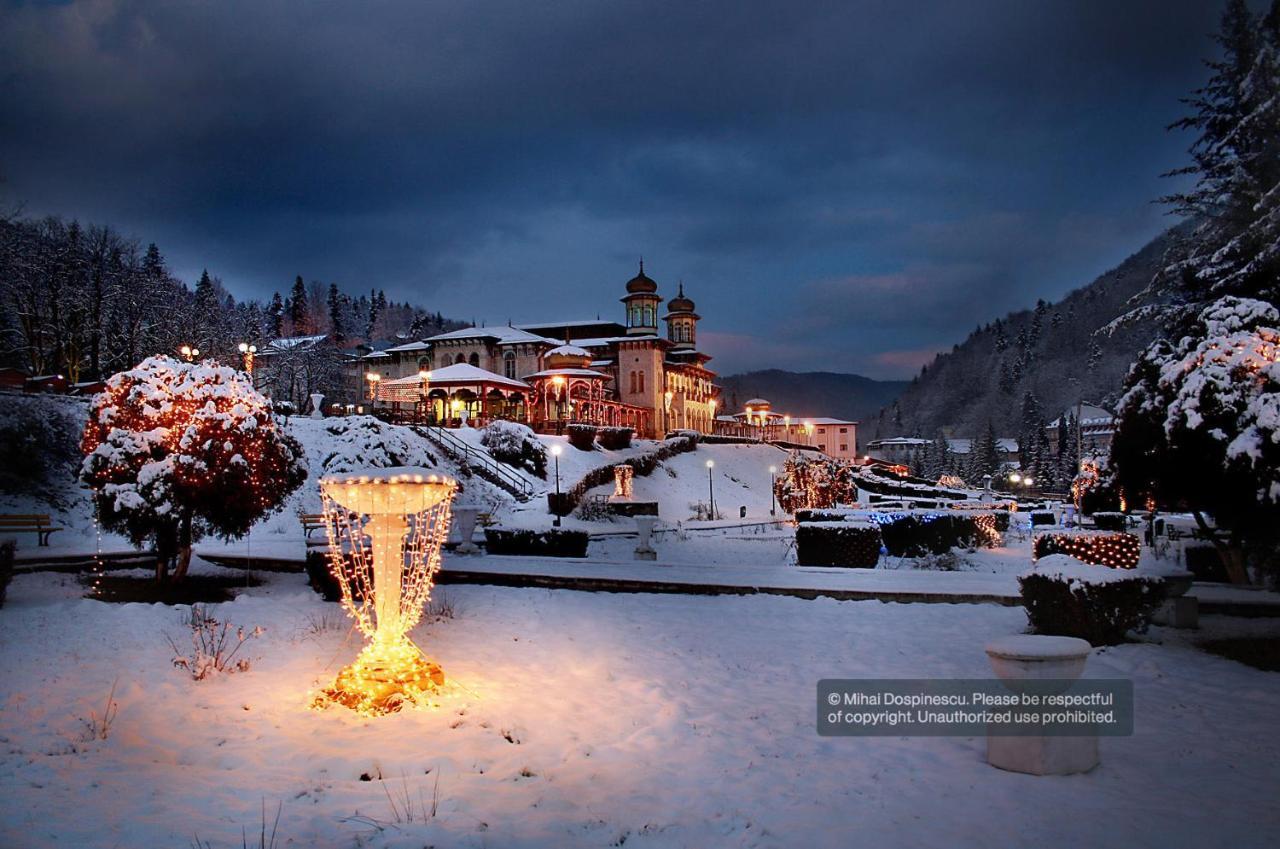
(593, 720)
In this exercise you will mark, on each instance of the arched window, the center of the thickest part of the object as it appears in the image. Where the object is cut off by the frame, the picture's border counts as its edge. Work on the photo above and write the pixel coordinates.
(459, 359)
(640, 381)
(648, 316)
(475, 360)
(509, 364)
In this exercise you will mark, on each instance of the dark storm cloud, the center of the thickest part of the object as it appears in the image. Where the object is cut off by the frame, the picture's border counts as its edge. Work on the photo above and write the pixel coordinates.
(845, 185)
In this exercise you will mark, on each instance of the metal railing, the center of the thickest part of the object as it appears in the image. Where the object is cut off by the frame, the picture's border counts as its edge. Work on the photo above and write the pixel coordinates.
(480, 462)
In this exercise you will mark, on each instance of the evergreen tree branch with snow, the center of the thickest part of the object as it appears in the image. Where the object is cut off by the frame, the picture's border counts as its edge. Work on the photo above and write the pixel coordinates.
(175, 451)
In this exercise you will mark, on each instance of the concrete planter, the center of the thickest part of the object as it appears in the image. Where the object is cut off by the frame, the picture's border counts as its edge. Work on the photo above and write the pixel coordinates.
(1025, 658)
(465, 519)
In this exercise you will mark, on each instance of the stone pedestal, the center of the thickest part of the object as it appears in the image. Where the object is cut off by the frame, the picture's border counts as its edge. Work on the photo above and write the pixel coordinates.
(316, 400)
(644, 529)
(1035, 658)
(1178, 610)
(465, 519)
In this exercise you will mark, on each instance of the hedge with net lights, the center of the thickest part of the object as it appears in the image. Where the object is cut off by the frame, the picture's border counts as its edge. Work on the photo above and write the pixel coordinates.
(853, 545)
(1114, 549)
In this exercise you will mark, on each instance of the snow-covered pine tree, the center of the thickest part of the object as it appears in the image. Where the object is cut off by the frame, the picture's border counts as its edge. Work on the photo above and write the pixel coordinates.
(175, 451)
(1200, 428)
(1235, 247)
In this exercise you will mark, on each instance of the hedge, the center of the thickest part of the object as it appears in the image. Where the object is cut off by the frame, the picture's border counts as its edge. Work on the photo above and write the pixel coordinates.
(1043, 517)
(1110, 521)
(554, 542)
(582, 436)
(812, 514)
(320, 576)
(915, 535)
(644, 465)
(615, 438)
(847, 544)
(1100, 613)
(1117, 550)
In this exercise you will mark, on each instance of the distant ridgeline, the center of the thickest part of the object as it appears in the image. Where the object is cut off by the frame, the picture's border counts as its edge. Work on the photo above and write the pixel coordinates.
(1054, 353)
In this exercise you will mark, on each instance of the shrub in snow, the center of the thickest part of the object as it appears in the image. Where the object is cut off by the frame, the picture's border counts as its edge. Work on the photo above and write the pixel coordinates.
(363, 442)
(174, 451)
(1116, 550)
(320, 576)
(616, 438)
(39, 437)
(6, 567)
(644, 465)
(516, 445)
(920, 534)
(214, 645)
(555, 542)
(1043, 517)
(854, 545)
(1199, 426)
(810, 515)
(582, 436)
(1109, 521)
(1067, 598)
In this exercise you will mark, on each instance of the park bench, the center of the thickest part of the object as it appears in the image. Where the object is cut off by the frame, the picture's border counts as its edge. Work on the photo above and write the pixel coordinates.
(28, 523)
(311, 522)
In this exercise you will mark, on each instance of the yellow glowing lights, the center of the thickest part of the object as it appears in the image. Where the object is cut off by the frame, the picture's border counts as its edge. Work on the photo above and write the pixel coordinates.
(385, 530)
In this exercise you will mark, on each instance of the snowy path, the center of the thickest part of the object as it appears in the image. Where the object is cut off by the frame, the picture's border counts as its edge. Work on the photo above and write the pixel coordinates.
(590, 719)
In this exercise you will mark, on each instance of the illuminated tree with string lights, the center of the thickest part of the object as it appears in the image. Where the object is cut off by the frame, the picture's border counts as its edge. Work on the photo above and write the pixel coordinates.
(175, 451)
(1199, 429)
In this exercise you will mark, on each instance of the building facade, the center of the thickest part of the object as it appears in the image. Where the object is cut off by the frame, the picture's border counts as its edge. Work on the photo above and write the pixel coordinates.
(637, 373)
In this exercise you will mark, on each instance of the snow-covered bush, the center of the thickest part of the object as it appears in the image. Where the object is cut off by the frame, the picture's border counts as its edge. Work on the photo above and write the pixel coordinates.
(854, 545)
(582, 436)
(39, 441)
(363, 442)
(214, 645)
(516, 445)
(1064, 597)
(1043, 517)
(1117, 550)
(921, 534)
(616, 438)
(1108, 521)
(174, 451)
(554, 542)
(1199, 425)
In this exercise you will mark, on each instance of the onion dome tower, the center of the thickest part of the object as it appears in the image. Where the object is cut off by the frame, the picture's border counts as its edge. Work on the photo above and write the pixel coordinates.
(642, 305)
(682, 322)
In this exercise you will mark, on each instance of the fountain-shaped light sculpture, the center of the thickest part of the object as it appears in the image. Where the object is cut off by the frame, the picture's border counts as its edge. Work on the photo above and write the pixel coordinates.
(385, 530)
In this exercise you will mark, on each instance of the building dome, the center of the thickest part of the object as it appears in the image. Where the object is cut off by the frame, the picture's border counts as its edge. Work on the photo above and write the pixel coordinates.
(641, 283)
(680, 303)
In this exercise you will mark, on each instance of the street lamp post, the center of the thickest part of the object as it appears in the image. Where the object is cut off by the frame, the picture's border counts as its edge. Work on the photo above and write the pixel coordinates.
(555, 452)
(247, 351)
(773, 497)
(711, 486)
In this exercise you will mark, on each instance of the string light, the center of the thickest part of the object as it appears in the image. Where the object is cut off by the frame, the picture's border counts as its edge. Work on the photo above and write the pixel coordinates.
(1114, 550)
(622, 475)
(385, 564)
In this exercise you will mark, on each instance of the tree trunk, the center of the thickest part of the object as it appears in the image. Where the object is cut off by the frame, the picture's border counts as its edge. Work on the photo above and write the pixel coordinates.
(1230, 552)
(162, 567)
(183, 559)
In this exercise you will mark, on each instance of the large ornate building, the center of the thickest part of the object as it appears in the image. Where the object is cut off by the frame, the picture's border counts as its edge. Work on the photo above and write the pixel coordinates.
(548, 375)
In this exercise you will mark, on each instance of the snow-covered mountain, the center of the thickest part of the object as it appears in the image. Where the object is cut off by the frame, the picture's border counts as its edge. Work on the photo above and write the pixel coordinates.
(1057, 352)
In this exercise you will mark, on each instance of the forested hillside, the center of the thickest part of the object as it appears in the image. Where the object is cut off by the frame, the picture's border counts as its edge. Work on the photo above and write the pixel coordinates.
(1034, 363)
(813, 393)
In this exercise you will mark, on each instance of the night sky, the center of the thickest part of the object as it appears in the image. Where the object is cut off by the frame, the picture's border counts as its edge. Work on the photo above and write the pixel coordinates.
(844, 186)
